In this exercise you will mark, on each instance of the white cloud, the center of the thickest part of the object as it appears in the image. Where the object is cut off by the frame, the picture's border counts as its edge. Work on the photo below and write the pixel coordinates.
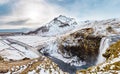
(37, 11)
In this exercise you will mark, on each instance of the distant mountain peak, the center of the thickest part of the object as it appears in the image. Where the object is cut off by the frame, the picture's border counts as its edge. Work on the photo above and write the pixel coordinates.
(63, 19)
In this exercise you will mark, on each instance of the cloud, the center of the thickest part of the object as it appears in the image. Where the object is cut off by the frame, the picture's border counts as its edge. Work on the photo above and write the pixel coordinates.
(36, 11)
(19, 22)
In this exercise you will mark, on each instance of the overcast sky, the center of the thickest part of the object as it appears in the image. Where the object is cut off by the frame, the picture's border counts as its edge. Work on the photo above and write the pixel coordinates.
(16, 14)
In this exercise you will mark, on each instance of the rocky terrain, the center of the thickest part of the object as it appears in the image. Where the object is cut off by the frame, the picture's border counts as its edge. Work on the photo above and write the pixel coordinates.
(63, 46)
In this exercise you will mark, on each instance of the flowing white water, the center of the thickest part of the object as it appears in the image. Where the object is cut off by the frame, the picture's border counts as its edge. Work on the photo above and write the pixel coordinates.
(104, 44)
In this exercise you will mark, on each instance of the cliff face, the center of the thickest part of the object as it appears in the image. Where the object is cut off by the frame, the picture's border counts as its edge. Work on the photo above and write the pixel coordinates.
(82, 44)
(112, 62)
(113, 51)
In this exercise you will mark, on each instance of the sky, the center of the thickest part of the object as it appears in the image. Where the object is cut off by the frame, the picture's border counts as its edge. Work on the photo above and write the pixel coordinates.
(19, 14)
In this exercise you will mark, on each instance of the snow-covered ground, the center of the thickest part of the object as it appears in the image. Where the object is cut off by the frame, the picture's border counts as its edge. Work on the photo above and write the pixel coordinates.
(14, 51)
(33, 40)
(3, 45)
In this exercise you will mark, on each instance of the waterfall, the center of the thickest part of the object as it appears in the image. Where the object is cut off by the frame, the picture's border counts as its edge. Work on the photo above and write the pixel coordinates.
(104, 44)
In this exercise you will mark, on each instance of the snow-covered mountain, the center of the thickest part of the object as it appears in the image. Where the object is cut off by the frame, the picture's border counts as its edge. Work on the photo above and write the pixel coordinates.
(59, 25)
(62, 25)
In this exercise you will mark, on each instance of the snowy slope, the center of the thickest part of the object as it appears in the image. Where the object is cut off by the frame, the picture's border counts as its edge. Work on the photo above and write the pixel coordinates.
(105, 27)
(33, 41)
(14, 51)
(3, 45)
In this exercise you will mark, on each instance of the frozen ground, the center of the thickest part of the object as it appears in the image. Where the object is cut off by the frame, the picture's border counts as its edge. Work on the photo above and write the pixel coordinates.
(33, 41)
(15, 51)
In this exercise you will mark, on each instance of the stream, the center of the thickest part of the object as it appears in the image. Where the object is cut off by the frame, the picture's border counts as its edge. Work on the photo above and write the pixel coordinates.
(67, 67)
